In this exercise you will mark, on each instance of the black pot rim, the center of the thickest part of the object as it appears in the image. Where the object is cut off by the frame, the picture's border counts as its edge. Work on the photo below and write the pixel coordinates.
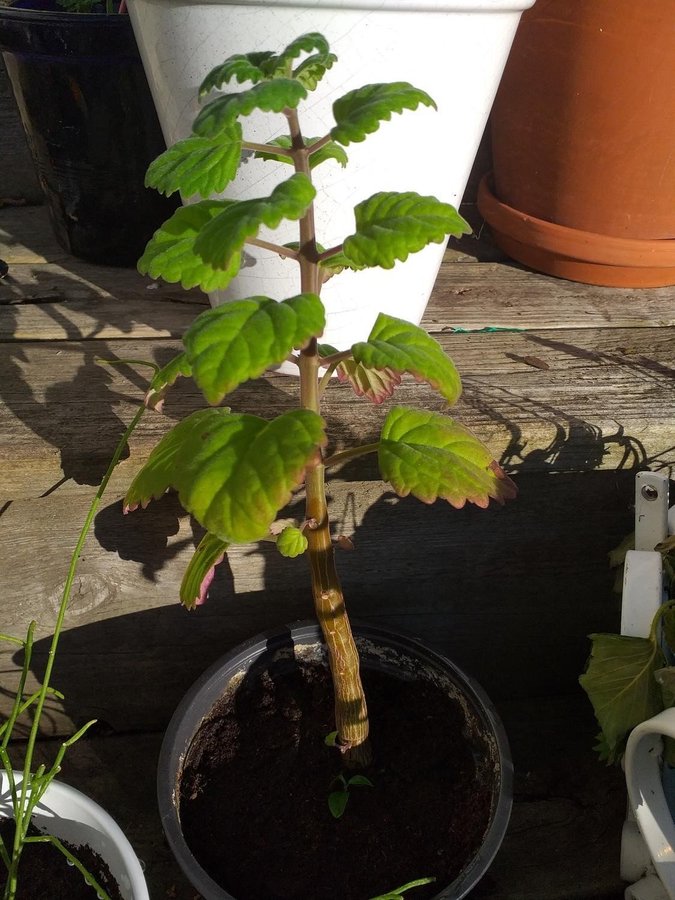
(208, 688)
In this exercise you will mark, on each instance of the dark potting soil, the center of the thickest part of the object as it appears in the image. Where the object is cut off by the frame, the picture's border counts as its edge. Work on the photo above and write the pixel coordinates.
(254, 792)
(44, 873)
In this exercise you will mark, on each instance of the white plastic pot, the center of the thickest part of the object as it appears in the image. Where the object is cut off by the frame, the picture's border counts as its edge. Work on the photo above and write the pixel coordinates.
(71, 816)
(454, 49)
(649, 805)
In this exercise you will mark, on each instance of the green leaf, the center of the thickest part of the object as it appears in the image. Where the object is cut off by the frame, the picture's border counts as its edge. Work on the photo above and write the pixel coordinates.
(620, 684)
(337, 803)
(171, 252)
(331, 739)
(359, 781)
(237, 341)
(306, 43)
(331, 150)
(240, 67)
(430, 456)
(375, 384)
(197, 165)
(200, 571)
(391, 226)
(162, 466)
(397, 893)
(269, 96)
(164, 378)
(665, 678)
(233, 472)
(335, 264)
(403, 347)
(360, 112)
(226, 234)
(668, 625)
(291, 542)
(311, 70)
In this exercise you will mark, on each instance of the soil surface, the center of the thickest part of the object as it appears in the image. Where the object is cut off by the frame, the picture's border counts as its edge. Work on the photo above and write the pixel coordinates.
(254, 793)
(44, 873)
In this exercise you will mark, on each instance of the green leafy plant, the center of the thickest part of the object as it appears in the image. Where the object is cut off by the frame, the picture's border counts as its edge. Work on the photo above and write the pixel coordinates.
(26, 793)
(109, 7)
(398, 893)
(339, 795)
(628, 679)
(234, 472)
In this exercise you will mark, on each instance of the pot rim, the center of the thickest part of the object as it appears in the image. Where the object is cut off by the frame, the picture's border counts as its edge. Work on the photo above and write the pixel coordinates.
(561, 240)
(441, 6)
(208, 688)
(59, 792)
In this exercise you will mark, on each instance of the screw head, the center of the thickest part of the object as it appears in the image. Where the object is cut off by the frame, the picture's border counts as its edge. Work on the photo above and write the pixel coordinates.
(649, 492)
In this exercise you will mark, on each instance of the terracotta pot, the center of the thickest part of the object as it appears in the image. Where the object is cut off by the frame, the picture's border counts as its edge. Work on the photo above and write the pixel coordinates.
(583, 129)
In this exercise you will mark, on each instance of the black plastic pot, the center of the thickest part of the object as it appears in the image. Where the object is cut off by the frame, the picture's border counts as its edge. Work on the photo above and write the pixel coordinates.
(378, 649)
(91, 125)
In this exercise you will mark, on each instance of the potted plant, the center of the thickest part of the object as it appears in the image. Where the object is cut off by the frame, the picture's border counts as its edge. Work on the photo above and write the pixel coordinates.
(90, 123)
(53, 837)
(435, 780)
(182, 40)
(583, 182)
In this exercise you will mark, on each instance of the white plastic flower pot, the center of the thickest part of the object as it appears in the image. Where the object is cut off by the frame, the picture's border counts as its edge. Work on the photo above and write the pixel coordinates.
(71, 816)
(453, 49)
(649, 803)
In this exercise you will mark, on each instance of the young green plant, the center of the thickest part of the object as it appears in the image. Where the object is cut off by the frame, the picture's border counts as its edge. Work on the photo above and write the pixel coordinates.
(234, 472)
(26, 793)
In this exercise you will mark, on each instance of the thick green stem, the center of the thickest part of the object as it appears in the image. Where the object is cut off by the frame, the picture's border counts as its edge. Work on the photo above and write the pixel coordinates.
(351, 715)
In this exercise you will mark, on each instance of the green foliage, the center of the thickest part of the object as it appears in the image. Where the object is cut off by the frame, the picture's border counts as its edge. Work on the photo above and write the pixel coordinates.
(24, 797)
(221, 239)
(238, 341)
(220, 114)
(430, 456)
(621, 683)
(171, 253)
(339, 796)
(331, 150)
(233, 471)
(200, 570)
(291, 542)
(360, 112)
(89, 6)
(265, 65)
(399, 346)
(390, 226)
(197, 165)
(398, 893)
(164, 378)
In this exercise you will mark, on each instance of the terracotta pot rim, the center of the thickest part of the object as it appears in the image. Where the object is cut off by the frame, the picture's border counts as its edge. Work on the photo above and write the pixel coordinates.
(561, 240)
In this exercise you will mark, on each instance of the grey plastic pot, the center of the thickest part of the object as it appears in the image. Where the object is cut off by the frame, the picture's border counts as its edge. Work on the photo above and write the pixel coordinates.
(378, 648)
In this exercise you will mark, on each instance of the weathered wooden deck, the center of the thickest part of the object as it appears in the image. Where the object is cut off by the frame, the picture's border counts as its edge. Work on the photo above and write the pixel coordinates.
(572, 401)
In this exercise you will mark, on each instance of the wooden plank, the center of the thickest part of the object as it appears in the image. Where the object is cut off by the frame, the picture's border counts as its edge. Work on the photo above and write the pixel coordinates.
(604, 400)
(26, 236)
(470, 294)
(509, 592)
(87, 302)
(75, 300)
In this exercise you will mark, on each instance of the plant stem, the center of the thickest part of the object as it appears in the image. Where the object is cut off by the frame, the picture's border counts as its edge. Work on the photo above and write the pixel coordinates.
(351, 715)
(25, 799)
(344, 455)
